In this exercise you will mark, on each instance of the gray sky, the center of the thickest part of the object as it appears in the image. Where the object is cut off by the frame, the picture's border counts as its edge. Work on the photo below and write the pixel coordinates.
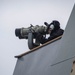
(21, 13)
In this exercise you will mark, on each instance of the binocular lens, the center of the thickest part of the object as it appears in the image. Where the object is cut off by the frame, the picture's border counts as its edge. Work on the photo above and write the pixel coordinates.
(17, 32)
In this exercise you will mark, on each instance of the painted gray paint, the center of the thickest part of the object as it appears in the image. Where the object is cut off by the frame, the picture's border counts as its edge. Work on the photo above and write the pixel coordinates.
(45, 61)
(37, 60)
(67, 49)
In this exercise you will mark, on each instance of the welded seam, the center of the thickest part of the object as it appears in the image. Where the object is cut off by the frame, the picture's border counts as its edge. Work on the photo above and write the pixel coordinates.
(62, 61)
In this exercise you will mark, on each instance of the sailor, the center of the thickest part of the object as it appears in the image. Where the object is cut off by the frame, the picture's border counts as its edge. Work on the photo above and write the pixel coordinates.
(53, 30)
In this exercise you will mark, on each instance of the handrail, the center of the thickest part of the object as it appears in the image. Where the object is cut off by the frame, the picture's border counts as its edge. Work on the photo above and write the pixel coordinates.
(36, 48)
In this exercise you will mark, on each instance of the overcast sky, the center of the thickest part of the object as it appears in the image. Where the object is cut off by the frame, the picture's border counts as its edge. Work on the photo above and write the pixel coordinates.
(21, 13)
